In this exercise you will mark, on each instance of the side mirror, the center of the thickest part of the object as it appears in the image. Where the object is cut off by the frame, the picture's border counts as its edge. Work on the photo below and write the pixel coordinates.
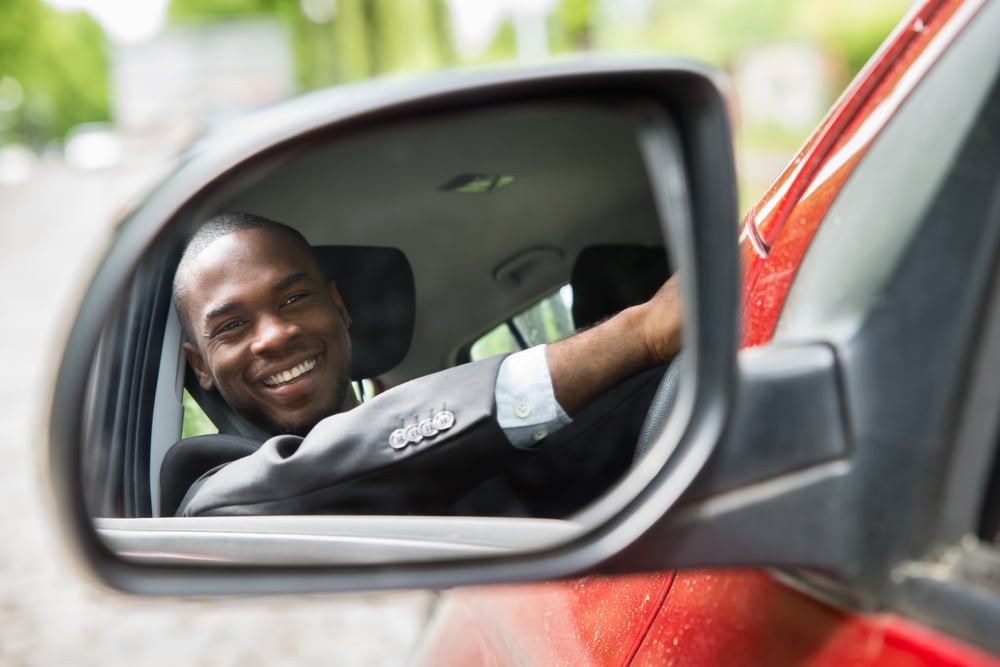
(508, 177)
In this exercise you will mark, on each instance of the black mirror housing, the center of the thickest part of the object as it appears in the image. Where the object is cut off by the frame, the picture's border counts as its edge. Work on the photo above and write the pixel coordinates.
(684, 136)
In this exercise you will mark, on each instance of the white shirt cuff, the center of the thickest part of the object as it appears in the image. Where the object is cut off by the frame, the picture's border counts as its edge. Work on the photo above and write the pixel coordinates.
(527, 409)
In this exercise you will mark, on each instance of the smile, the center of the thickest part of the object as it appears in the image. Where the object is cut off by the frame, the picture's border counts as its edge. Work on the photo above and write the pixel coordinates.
(285, 377)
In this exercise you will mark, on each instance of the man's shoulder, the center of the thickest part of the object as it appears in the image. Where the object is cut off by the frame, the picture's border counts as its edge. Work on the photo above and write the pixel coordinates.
(188, 459)
(402, 423)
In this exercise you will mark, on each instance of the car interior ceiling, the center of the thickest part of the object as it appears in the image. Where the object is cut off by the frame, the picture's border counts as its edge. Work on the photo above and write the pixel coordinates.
(477, 257)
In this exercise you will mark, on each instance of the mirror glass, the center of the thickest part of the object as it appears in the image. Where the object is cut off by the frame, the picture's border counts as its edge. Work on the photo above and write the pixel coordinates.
(450, 238)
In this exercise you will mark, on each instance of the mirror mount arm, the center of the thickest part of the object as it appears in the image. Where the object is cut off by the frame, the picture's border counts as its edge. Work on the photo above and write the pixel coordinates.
(771, 492)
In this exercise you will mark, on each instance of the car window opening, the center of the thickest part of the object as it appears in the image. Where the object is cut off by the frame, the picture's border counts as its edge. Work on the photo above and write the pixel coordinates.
(548, 320)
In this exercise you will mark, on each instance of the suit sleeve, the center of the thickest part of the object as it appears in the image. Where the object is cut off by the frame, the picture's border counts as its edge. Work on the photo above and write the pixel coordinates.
(413, 449)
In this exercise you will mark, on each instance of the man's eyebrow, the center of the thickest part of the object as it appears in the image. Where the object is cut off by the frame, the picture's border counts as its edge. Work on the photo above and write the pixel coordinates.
(281, 284)
(224, 309)
(288, 281)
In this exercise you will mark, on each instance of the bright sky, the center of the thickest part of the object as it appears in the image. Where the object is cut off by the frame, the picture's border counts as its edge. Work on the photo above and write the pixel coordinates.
(135, 20)
(476, 21)
(123, 20)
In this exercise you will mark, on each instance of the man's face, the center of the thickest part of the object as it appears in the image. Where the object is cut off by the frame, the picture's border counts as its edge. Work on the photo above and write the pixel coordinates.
(270, 333)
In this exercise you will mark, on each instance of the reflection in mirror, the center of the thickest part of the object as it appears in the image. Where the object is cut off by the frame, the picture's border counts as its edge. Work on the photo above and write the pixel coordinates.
(449, 240)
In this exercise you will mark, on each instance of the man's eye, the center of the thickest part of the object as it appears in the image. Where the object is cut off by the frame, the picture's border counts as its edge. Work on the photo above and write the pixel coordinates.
(299, 296)
(226, 327)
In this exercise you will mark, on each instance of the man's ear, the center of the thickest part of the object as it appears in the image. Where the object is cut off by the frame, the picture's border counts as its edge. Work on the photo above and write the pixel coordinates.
(198, 365)
(338, 301)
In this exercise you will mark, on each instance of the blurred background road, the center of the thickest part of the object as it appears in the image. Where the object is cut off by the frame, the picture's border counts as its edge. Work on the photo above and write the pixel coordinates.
(96, 96)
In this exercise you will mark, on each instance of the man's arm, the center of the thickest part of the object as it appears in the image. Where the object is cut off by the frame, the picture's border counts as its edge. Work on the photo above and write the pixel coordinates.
(348, 462)
(590, 363)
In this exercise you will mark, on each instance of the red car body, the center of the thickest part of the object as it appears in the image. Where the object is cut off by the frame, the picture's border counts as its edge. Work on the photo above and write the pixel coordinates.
(730, 617)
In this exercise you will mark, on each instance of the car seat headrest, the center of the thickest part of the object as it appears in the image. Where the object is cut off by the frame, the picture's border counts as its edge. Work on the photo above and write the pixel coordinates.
(377, 287)
(609, 278)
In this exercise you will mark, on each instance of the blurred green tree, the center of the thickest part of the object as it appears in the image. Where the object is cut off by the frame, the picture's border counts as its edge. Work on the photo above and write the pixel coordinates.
(572, 25)
(852, 29)
(344, 40)
(717, 31)
(53, 72)
(720, 30)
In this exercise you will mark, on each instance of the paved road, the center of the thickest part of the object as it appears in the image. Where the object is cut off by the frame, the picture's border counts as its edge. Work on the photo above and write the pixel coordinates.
(52, 232)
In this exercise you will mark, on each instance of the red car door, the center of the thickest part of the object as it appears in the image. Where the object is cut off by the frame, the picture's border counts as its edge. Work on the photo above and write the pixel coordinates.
(731, 617)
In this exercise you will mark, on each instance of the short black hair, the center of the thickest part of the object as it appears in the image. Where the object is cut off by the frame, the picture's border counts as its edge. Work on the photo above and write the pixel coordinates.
(223, 225)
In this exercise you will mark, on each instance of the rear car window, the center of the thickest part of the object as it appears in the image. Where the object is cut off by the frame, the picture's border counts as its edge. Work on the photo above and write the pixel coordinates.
(548, 320)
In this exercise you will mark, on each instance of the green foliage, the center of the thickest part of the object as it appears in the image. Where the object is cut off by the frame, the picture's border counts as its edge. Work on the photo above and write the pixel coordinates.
(852, 29)
(60, 62)
(363, 38)
(548, 320)
(719, 30)
(408, 36)
(503, 46)
(498, 340)
(370, 37)
(215, 9)
(195, 421)
(572, 24)
(350, 45)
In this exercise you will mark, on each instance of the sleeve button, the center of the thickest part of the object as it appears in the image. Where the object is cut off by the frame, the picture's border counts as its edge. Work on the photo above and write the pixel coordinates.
(412, 433)
(444, 420)
(397, 439)
(427, 428)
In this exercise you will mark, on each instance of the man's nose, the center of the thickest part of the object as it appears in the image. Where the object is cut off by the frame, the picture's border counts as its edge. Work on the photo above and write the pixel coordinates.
(272, 334)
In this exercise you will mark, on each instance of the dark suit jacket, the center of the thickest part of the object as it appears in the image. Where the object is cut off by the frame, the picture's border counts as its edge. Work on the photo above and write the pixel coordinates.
(346, 465)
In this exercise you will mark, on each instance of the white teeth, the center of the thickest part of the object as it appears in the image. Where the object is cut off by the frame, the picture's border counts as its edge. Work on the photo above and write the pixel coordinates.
(289, 375)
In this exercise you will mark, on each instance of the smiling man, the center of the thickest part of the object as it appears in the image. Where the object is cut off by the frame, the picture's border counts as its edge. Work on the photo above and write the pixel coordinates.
(540, 432)
(263, 325)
